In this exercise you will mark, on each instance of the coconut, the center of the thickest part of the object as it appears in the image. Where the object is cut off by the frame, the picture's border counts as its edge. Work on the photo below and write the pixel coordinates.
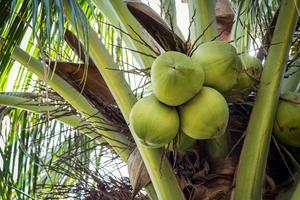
(175, 78)
(205, 116)
(287, 122)
(181, 142)
(252, 69)
(221, 64)
(154, 123)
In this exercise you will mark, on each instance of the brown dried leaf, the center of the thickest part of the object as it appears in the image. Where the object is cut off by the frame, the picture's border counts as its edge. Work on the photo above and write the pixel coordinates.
(156, 26)
(224, 17)
(217, 189)
(137, 171)
(213, 181)
(94, 84)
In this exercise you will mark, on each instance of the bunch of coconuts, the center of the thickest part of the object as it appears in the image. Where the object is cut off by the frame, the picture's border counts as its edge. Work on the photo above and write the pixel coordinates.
(187, 102)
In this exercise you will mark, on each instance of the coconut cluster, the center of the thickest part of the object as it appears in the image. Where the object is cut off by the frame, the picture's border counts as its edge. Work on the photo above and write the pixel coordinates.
(187, 103)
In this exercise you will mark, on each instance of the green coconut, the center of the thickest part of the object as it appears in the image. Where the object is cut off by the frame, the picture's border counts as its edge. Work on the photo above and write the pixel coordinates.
(205, 116)
(221, 64)
(175, 78)
(181, 142)
(287, 122)
(154, 123)
(252, 69)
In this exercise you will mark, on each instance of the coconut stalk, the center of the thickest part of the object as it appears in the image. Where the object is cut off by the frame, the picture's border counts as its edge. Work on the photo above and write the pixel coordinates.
(204, 23)
(169, 13)
(157, 165)
(204, 20)
(118, 14)
(287, 193)
(241, 27)
(38, 107)
(14, 101)
(251, 169)
(296, 193)
(118, 142)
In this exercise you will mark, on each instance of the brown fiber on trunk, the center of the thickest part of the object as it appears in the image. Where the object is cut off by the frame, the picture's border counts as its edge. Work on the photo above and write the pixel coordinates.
(94, 81)
(94, 90)
(88, 81)
(94, 84)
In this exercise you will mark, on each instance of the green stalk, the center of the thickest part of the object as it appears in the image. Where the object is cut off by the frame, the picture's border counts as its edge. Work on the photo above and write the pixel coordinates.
(42, 108)
(218, 147)
(70, 120)
(158, 167)
(241, 27)
(11, 100)
(291, 192)
(118, 14)
(205, 23)
(296, 193)
(118, 142)
(169, 14)
(251, 170)
(204, 20)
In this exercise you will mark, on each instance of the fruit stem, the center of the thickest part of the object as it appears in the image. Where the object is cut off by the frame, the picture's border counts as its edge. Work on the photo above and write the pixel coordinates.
(168, 9)
(218, 147)
(240, 30)
(203, 19)
(296, 192)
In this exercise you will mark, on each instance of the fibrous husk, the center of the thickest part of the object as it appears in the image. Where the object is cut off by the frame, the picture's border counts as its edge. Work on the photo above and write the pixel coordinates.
(94, 82)
(137, 171)
(212, 180)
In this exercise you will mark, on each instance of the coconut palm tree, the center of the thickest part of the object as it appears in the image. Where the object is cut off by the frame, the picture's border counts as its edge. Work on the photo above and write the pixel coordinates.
(71, 72)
